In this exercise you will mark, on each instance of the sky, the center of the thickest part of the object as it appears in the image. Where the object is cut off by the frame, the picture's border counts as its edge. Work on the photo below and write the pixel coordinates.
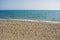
(29, 4)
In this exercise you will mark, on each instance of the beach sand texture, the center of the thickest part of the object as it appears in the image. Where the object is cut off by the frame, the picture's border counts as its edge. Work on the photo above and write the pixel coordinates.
(23, 30)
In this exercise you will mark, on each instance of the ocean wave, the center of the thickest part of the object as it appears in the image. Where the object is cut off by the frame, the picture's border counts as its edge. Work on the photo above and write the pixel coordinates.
(31, 20)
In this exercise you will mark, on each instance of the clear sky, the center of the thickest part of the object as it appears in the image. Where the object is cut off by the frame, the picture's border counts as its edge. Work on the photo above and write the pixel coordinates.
(29, 4)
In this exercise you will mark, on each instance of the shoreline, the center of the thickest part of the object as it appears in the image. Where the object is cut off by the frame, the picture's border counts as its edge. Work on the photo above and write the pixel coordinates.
(29, 20)
(28, 30)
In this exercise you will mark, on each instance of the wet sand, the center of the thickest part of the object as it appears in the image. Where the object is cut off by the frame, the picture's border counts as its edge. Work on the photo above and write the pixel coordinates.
(25, 30)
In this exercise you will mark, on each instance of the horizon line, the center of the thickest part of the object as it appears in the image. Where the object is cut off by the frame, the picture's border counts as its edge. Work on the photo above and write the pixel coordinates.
(24, 9)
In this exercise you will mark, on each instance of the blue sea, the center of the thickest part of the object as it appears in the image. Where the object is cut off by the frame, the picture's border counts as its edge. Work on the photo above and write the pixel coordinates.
(46, 15)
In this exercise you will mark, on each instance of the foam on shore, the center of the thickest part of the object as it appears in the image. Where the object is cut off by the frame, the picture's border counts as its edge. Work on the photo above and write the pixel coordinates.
(31, 20)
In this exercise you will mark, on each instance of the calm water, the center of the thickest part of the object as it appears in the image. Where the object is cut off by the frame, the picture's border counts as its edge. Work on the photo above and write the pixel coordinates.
(48, 15)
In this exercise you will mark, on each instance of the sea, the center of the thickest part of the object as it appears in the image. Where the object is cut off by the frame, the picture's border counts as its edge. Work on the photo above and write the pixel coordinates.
(40, 15)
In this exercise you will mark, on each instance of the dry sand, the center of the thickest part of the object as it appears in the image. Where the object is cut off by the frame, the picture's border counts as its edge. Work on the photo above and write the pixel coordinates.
(20, 30)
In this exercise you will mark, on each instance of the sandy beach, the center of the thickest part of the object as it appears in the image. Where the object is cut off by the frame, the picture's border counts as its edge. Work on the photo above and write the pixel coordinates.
(26, 30)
